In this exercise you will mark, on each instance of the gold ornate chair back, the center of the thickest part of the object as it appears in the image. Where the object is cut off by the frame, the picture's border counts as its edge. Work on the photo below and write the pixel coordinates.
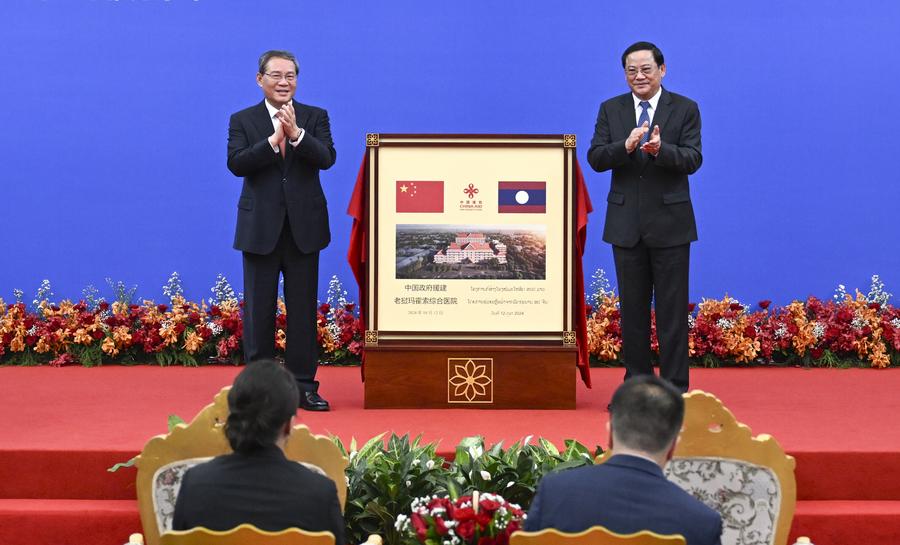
(597, 535)
(246, 534)
(748, 480)
(165, 458)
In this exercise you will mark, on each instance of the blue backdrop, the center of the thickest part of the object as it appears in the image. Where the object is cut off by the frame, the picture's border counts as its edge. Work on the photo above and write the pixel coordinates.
(114, 116)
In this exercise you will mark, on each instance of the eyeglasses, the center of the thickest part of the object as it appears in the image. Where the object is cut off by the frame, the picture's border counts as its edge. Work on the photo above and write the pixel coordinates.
(632, 72)
(290, 77)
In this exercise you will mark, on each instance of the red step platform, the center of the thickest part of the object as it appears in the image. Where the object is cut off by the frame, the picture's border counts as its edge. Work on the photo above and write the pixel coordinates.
(63, 427)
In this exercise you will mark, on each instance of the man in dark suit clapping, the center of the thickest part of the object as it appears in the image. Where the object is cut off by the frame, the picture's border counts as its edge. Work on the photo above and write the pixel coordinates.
(650, 139)
(629, 492)
(278, 147)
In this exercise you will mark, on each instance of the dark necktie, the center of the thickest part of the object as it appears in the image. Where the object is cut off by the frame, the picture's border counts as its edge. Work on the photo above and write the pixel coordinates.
(645, 116)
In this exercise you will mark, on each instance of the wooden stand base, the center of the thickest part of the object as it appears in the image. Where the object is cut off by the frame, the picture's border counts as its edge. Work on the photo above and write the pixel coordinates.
(473, 377)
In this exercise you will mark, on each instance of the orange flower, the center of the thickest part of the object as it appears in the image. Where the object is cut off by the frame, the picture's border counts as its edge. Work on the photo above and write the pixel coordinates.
(193, 343)
(109, 347)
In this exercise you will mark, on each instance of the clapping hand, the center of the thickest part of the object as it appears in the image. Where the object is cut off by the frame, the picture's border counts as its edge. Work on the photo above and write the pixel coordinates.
(651, 146)
(278, 135)
(289, 121)
(635, 137)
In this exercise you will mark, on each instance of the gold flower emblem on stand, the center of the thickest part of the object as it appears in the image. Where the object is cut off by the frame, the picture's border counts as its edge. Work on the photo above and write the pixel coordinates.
(470, 380)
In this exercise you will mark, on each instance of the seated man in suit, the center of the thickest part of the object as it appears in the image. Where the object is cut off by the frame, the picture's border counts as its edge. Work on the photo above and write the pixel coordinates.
(629, 493)
(257, 484)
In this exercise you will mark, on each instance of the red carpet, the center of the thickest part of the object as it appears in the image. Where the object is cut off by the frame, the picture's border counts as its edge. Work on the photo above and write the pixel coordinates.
(64, 427)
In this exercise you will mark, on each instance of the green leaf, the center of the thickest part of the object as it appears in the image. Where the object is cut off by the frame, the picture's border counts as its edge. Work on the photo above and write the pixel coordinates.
(120, 465)
(548, 446)
(173, 421)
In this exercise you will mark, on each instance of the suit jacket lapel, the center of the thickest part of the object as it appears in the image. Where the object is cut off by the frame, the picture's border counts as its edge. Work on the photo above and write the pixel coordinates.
(263, 123)
(663, 109)
(629, 121)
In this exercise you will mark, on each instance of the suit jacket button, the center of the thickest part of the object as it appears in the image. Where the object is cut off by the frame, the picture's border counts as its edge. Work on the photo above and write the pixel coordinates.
(284, 180)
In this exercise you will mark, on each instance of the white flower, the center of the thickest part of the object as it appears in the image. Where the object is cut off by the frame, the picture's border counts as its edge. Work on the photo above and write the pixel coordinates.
(485, 475)
(781, 332)
(402, 523)
(476, 451)
(724, 323)
(416, 462)
(215, 328)
(818, 330)
(429, 464)
(510, 483)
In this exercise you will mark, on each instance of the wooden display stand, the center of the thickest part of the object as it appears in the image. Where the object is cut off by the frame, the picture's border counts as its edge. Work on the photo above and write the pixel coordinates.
(509, 377)
(469, 260)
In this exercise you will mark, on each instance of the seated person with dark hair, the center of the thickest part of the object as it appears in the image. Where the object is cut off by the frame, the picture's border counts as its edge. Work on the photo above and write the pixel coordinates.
(629, 493)
(257, 484)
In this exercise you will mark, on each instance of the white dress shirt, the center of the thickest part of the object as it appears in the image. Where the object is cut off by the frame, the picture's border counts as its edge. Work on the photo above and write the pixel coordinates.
(654, 100)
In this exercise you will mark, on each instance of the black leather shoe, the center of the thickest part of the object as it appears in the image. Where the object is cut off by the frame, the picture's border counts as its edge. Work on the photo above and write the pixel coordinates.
(312, 401)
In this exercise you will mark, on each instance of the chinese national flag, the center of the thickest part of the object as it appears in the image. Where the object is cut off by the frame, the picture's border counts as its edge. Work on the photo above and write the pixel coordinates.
(420, 196)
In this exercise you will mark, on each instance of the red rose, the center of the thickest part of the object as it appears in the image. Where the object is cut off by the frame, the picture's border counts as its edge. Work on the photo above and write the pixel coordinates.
(162, 308)
(103, 305)
(750, 332)
(440, 526)
(97, 334)
(466, 529)
(874, 306)
(483, 519)
(691, 307)
(764, 304)
(464, 513)
(420, 526)
(735, 306)
(816, 352)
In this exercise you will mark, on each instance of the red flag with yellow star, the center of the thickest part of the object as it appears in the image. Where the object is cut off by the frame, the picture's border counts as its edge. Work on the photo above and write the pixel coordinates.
(420, 196)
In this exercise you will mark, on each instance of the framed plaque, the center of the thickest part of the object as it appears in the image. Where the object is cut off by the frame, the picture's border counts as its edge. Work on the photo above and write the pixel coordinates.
(471, 244)
(471, 237)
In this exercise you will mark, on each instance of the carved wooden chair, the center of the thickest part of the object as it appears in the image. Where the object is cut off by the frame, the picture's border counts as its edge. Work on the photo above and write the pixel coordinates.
(246, 534)
(165, 458)
(748, 480)
(597, 535)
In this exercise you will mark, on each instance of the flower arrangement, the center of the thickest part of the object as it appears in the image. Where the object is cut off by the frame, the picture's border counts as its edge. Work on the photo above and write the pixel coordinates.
(846, 330)
(94, 331)
(479, 519)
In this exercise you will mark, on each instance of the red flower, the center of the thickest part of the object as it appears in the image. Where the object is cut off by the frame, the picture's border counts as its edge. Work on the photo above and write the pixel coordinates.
(420, 526)
(736, 306)
(464, 513)
(691, 307)
(162, 308)
(440, 526)
(489, 505)
(764, 304)
(874, 306)
(466, 529)
(103, 306)
(750, 332)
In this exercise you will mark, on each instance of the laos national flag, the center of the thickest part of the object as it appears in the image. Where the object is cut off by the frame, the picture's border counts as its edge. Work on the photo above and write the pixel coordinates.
(522, 197)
